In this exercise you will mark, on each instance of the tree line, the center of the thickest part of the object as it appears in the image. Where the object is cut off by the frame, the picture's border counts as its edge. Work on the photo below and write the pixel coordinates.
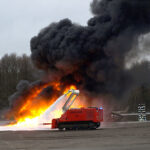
(14, 68)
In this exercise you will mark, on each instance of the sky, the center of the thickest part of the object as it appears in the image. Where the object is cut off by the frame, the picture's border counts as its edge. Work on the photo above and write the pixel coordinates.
(23, 19)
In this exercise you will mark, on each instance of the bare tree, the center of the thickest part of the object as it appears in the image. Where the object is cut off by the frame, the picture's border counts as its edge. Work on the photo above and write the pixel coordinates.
(13, 69)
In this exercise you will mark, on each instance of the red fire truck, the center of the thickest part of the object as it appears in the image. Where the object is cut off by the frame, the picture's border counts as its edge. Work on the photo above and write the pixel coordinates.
(78, 118)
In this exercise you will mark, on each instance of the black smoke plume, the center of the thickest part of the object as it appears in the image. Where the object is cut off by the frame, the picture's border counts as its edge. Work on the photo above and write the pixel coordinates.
(93, 57)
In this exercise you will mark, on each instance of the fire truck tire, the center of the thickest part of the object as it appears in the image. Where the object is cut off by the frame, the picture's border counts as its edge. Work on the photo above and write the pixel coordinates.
(98, 125)
(60, 128)
(78, 126)
(93, 126)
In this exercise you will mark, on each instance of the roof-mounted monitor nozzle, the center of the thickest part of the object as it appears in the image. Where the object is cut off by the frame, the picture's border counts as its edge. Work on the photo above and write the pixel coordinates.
(71, 99)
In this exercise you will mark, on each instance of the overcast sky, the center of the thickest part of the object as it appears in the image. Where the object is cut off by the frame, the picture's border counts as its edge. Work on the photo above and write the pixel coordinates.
(23, 19)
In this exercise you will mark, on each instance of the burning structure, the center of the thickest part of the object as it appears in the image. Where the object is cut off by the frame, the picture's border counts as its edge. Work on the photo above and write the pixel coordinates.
(91, 58)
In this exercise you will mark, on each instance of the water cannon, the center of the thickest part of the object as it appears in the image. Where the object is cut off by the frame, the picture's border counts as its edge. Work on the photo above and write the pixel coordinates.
(75, 92)
(71, 99)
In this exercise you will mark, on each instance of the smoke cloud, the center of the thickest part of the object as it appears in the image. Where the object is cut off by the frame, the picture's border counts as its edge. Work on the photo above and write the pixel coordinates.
(93, 57)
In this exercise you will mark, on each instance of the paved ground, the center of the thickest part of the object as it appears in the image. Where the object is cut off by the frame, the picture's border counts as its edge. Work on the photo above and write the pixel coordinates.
(118, 136)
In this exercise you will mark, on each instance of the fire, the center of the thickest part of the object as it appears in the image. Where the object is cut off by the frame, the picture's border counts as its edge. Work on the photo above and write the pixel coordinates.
(57, 113)
(30, 112)
(26, 123)
(73, 87)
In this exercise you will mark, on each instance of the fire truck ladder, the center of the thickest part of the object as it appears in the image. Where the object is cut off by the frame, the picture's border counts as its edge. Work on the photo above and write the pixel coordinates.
(71, 99)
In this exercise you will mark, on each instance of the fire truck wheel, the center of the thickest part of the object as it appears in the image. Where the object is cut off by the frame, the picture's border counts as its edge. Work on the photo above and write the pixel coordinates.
(60, 129)
(98, 125)
(67, 129)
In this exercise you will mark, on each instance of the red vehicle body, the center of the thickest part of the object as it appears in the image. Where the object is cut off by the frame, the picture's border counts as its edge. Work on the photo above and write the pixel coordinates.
(88, 118)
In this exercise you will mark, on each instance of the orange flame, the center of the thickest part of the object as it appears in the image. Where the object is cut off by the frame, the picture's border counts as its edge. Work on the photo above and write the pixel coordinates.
(30, 111)
(72, 87)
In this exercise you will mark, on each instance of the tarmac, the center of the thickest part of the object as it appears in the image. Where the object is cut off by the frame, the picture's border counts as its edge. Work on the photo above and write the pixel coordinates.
(111, 136)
